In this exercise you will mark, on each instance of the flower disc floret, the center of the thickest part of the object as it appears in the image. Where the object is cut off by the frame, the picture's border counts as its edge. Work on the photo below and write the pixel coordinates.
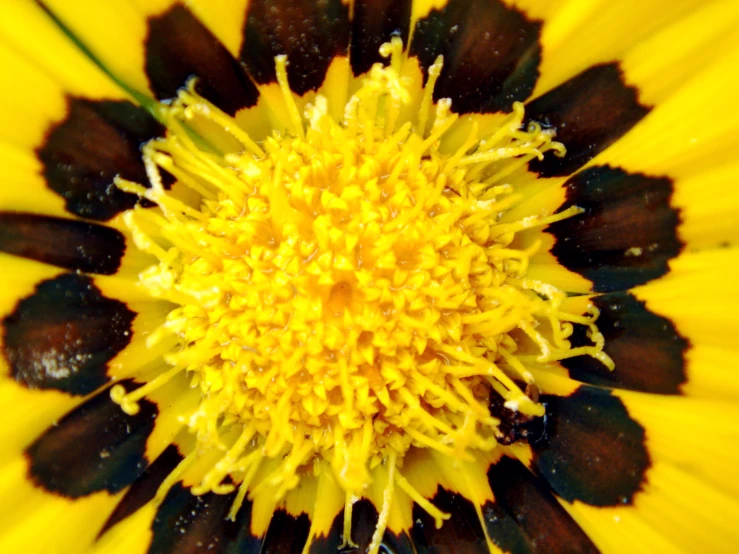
(348, 290)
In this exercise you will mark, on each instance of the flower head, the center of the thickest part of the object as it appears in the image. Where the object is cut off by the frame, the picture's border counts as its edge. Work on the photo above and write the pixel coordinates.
(368, 276)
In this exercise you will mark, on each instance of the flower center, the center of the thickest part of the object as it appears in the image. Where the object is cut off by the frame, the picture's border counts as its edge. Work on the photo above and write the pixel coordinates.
(346, 291)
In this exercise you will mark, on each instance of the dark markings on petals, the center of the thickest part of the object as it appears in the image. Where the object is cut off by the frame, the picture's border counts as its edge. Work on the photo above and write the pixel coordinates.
(590, 112)
(286, 534)
(68, 243)
(332, 540)
(242, 542)
(394, 543)
(541, 518)
(504, 531)
(627, 232)
(374, 23)
(179, 46)
(514, 426)
(245, 542)
(648, 351)
(145, 487)
(364, 520)
(593, 451)
(96, 447)
(63, 335)
(491, 54)
(311, 34)
(461, 533)
(97, 140)
(189, 524)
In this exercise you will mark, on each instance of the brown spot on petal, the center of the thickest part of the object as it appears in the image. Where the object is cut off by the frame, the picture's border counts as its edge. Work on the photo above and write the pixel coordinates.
(491, 54)
(97, 140)
(462, 532)
(286, 534)
(145, 487)
(648, 351)
(374, 23)
(514, 426)
(179, 46)
(627, 232)
(311, 34)
(549, 529)
(68, 243)
(64, 334)
(590, 111)
(593, 451)
(189, 524)
(364, 522)
(96, 447)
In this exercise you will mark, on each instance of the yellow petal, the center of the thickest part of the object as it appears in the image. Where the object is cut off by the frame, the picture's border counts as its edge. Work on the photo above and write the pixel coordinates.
(662, 62)
(708, 202)
(114, 32)
(690, 131)
(687, 491)
(69, 525)
(131, 536)
(582, 33)
(52, 54)
(700, 297)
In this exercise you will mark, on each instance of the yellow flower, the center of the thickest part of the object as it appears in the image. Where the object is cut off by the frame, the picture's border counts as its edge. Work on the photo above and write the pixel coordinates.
(370, 276)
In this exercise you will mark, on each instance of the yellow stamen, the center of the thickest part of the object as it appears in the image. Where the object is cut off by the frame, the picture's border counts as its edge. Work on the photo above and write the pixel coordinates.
(296, 123)
(129, 401)
(345, 292)
(433, 511)
(346, 534)
(387, 498)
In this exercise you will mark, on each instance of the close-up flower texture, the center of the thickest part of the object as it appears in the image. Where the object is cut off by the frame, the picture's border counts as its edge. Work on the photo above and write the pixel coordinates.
(369, 276)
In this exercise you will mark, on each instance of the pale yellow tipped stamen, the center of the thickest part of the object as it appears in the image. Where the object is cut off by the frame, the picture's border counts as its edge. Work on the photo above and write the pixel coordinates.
(141, 239)
(492, 547)
(515, 362)
(394, 50)
(129, 401)
(433, 511)
(346, 535)
(201, 106)
(427, 442)
(175, 475)
(285, 478)
(250, 464)
(152, 172)
(472, 139)
(534, 221)
(538, 338)
(444, 120)
(509, 128)
(387, 499)
(296, 122)
(428, 92)
(129, 186)
(225, 466)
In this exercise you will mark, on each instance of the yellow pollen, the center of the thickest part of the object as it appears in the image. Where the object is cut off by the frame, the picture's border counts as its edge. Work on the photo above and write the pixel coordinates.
(345, 290)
